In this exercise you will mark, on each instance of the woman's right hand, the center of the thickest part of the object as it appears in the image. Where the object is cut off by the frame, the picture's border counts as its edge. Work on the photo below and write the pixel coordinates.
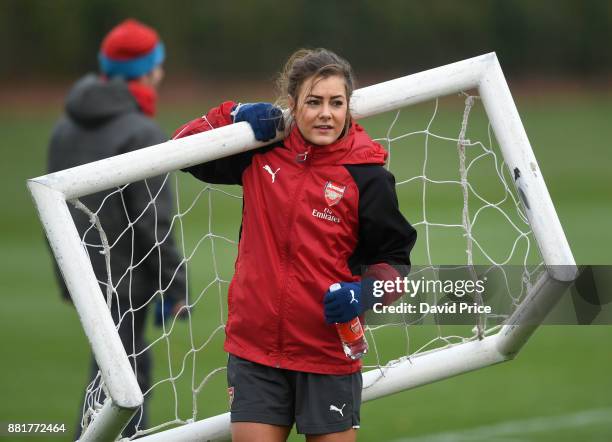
(264, 118)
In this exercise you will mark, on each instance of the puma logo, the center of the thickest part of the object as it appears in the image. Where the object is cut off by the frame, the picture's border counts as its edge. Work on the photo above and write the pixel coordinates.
(269, 170)
(353, 299)
(339, 410)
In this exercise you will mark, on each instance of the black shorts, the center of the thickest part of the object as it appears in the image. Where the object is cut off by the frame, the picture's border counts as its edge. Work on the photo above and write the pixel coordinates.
(317, 403)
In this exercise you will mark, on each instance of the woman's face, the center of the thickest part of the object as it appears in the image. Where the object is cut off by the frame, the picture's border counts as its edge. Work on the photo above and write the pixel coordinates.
(321, 109)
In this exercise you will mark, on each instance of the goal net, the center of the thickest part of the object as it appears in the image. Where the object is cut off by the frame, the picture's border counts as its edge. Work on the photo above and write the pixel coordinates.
(466, 179)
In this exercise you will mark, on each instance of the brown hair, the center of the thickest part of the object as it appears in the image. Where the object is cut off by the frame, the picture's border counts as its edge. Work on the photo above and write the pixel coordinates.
(306, 63)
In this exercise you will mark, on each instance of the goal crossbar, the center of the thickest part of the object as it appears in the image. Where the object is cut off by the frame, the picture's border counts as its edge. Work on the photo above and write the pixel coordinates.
(52, 192)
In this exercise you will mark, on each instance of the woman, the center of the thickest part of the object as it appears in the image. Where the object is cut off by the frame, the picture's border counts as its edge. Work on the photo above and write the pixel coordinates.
(319, 208)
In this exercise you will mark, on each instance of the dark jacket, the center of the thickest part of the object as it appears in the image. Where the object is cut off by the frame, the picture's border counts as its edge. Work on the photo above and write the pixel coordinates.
(312, 216)
(102, 120)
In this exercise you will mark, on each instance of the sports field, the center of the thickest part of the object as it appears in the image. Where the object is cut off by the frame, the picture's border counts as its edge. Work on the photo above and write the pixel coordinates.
(558, 389)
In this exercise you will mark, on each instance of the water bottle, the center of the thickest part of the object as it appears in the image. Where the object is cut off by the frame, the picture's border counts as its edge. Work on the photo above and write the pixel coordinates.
(351, 334)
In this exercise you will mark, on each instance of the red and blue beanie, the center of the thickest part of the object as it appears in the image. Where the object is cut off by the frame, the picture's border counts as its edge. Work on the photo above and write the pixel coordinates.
(130, 50)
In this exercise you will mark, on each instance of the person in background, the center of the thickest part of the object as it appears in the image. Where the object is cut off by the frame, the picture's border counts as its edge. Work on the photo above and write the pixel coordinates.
(108, 114)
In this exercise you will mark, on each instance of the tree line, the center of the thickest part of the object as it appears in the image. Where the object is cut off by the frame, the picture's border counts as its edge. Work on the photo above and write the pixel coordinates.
(60, 38)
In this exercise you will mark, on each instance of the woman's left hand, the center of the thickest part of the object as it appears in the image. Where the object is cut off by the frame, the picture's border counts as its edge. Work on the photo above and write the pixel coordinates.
(343, 304)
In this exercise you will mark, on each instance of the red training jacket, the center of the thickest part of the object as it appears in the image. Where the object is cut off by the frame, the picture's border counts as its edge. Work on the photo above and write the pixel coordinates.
(312, 216)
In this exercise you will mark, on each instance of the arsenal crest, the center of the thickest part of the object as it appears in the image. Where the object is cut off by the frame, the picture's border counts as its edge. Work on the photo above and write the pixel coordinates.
(333, 193)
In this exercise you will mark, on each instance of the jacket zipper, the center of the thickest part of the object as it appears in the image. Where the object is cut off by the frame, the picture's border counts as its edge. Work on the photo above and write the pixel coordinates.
(304, 159)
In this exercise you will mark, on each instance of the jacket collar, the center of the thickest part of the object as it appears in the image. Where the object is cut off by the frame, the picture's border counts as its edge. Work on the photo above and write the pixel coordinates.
(355, 147)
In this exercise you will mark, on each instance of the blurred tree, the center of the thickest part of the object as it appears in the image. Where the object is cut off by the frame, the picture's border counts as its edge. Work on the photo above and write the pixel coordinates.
(43, 39)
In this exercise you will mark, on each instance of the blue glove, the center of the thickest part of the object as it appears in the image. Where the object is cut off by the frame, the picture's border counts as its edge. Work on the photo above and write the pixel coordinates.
(343, 304)
(165, 308)
(264, 118)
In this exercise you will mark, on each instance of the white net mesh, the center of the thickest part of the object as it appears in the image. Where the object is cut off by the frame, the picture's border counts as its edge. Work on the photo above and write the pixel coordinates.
(452, 184)
(469, 215)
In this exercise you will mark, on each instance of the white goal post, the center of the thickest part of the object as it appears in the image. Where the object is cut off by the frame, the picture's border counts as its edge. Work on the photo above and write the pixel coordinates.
(52, 192)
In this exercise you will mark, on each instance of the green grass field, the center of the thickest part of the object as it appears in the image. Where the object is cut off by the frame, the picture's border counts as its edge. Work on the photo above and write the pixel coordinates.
(558, 389)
